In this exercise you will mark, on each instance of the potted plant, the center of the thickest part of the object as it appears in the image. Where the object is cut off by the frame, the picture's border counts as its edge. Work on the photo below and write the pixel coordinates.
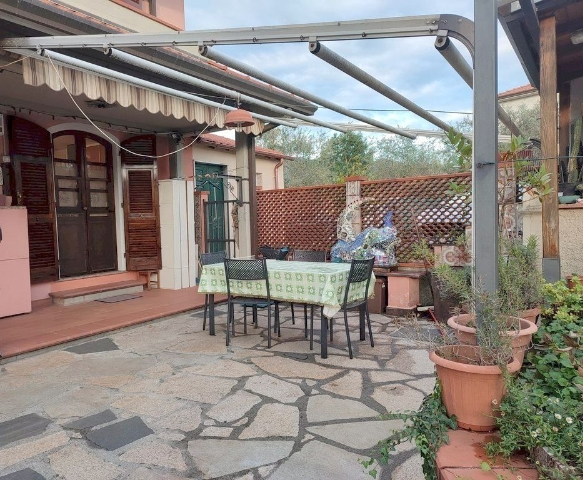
(472, 376)
(543, 410)
(520, 290)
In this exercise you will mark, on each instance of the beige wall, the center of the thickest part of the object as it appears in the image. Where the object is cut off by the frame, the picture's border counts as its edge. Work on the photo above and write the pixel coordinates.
(570, 228)
(527, 101)
(171, 11)
(265, 167)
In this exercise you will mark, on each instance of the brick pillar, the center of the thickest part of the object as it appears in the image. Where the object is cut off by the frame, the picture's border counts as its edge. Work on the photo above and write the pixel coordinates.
(352, 195)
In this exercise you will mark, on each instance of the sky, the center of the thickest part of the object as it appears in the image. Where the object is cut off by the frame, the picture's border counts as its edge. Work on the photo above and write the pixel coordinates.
(411, 66)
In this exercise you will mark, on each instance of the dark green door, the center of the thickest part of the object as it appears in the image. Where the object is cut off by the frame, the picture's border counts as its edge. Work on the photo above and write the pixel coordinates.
(208, 179)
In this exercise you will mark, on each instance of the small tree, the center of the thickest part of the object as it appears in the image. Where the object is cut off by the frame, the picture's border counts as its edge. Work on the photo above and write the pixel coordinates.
(347, 155)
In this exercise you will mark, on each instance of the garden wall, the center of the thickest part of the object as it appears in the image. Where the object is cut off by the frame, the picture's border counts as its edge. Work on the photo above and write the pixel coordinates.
(306, 217)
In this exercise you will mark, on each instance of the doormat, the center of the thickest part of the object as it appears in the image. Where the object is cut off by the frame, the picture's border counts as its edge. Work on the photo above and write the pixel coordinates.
(119, 298)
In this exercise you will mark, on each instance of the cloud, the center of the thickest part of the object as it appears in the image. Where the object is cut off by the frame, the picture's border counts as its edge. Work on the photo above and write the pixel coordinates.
(411, 66)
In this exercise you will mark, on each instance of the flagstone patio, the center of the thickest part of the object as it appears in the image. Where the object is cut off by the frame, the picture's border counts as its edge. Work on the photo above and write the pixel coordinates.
(164, 400)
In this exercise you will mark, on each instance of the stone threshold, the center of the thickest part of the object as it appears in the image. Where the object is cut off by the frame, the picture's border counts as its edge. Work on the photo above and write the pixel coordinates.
(463, 457)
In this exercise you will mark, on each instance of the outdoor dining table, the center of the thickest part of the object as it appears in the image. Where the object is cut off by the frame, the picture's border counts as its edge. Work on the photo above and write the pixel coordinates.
(314, 283)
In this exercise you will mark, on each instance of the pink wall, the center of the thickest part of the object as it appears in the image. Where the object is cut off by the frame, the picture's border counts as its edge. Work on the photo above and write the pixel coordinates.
(171, 11)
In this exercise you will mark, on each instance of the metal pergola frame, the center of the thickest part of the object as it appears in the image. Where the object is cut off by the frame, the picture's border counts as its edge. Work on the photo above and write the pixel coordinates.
(479, 38)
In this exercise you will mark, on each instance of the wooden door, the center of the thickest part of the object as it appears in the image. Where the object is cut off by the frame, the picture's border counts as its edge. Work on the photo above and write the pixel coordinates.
(84, 203)
(141, 205)
(32, 187)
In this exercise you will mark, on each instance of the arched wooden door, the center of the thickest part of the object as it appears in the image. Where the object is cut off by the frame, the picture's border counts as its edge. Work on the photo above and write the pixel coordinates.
(84, 196)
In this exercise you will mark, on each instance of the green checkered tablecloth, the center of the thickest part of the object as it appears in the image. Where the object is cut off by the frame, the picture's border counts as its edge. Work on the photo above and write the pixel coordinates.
(300, 282)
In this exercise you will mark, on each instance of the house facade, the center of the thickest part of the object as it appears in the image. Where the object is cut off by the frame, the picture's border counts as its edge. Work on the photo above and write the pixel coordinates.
(113, 173)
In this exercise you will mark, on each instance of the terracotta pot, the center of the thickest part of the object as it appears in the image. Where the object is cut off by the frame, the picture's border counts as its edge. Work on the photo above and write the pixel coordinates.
(470, 391)
(531, 315)
(520, 338)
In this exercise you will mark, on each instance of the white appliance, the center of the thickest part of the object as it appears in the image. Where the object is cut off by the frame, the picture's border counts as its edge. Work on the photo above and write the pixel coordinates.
(14, 263)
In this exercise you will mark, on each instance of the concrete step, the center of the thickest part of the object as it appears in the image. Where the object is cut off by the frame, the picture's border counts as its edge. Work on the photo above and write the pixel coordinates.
(97, 292)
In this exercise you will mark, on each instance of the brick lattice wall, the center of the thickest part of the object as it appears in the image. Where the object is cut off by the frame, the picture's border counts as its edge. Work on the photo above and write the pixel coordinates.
(303, 218)
(306, 217)
(417, 203)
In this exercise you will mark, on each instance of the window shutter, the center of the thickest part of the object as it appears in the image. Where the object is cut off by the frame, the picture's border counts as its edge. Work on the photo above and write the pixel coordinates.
(144, 145)
(141, 209)
(29, 147)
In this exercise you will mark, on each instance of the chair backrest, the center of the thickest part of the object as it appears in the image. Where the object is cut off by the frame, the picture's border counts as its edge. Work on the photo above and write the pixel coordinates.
(270, 253)
(214, 257)
(236, 269)
(360, 271)
(309, 255)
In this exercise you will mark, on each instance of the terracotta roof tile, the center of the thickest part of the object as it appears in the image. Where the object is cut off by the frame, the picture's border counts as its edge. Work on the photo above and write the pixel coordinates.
(518, 91)
(228, 144)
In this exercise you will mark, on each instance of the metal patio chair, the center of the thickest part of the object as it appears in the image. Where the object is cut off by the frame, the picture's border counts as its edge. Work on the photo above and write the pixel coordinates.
(249, 270)
(209, 259)
(360, 271)
(306, 256)
(270, 253)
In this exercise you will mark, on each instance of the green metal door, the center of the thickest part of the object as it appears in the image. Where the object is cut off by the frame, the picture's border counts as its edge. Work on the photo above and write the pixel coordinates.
(208, 179)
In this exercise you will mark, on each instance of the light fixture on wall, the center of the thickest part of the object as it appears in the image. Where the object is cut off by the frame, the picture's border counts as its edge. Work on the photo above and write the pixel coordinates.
(238, 118)
(577, 37)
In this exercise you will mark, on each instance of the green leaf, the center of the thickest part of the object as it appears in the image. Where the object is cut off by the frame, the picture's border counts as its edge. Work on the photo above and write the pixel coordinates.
(485, 466)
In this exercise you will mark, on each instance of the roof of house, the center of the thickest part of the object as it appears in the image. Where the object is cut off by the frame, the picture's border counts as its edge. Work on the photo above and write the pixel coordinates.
(518, 91)
(38, 17)
(224, 143)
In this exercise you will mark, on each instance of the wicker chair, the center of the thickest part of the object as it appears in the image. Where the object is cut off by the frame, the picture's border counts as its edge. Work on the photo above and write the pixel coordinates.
(255, 270)
(209, 259)
(360, 271)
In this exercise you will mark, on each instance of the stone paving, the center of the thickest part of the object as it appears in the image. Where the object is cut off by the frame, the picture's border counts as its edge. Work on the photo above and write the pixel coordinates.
(165, 400)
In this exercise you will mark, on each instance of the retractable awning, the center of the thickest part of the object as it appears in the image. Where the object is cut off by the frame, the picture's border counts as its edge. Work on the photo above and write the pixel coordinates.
(37, 72)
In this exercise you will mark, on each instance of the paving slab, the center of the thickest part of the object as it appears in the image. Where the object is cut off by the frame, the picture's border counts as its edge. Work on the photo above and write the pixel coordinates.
(323, 408)
(413, 361)
(79, 402)
(233, 407)
(74, 463)
(398, 397)
(223, 368)
(101, 345)
(149, 405)
(275, 388)
(22, 427)
(318, 461)
(92, 420)
(221, 432)
(409, 469)
(274, 420)
(156, 453)
(286, 367)
(349, 385)
(144, 473)
(358, 435)
(119, 434)
(25, 474)
(386, 376)
(197, 387)
(216, 458)
(185, 420)
(18, 453)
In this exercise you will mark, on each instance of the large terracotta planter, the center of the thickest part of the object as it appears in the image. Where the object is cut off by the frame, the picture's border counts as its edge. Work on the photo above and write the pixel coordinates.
(470, 391)
(520, 338)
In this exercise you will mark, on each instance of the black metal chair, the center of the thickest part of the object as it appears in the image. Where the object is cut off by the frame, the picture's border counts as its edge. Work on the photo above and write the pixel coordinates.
(249, 270)
(306, 256)
(209, 259)
(270, 253)
(360, 271)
